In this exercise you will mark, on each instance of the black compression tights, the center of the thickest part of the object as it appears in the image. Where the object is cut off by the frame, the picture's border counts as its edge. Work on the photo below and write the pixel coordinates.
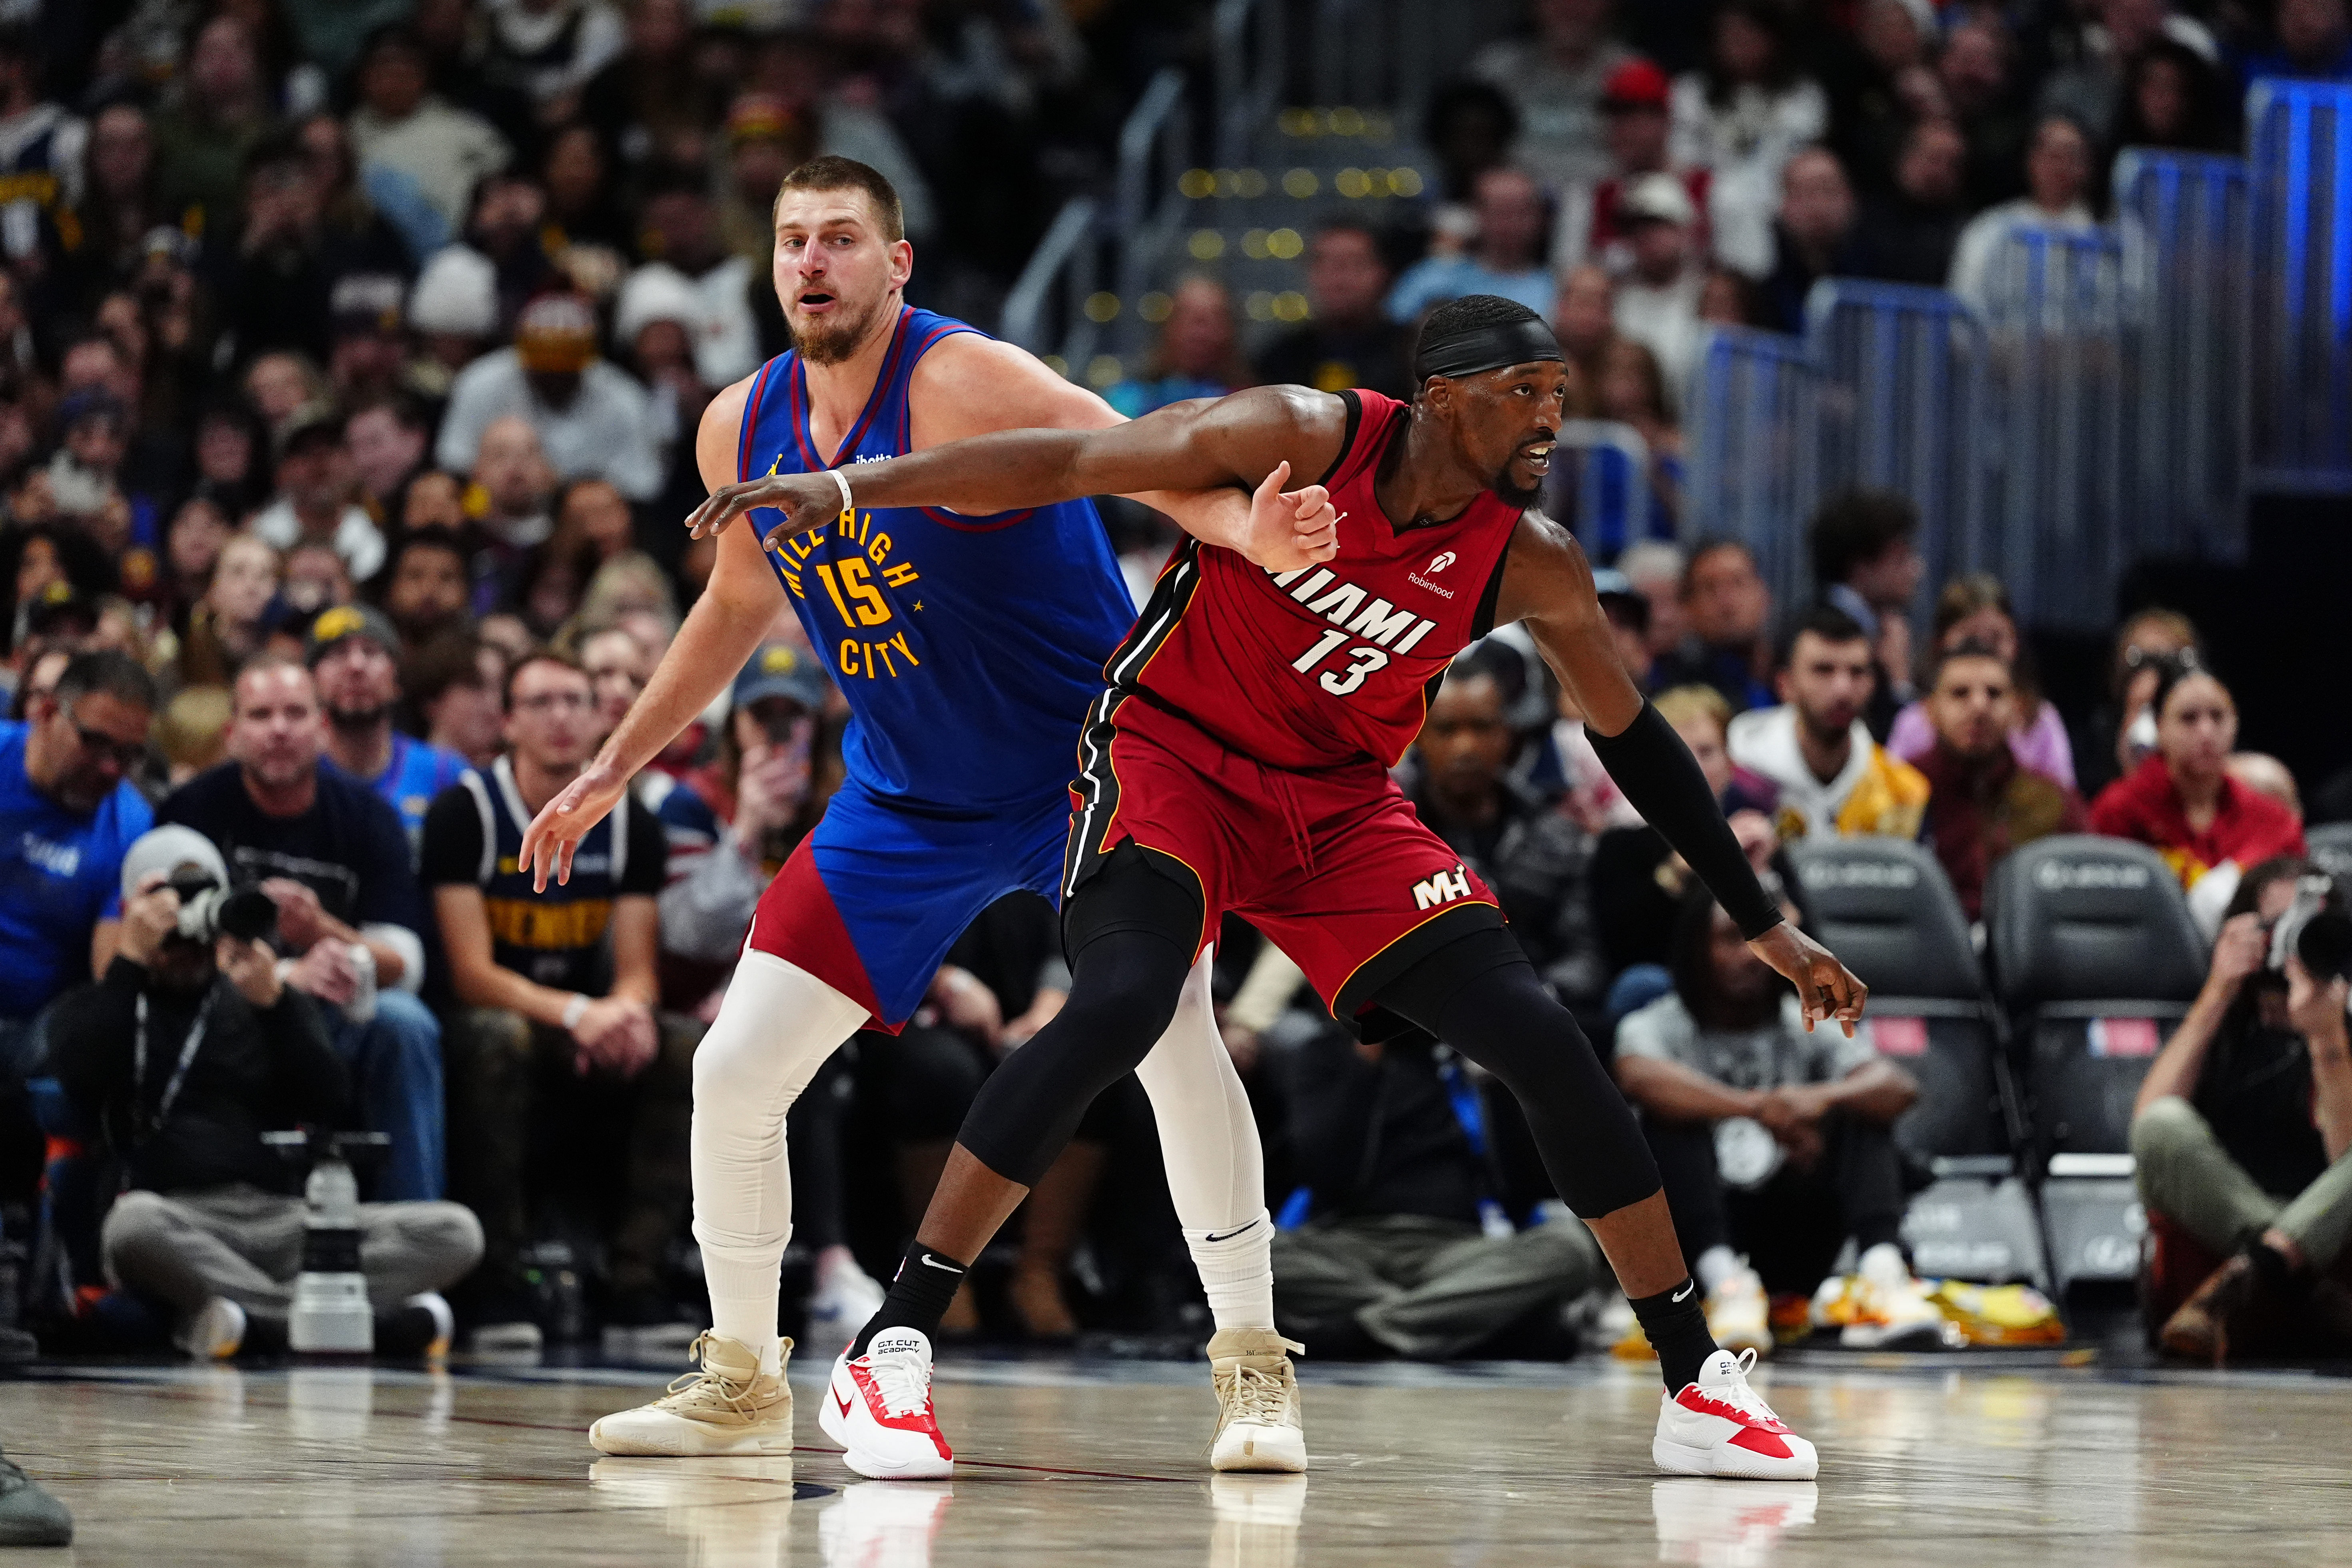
(1123, 992)
(1481, 997)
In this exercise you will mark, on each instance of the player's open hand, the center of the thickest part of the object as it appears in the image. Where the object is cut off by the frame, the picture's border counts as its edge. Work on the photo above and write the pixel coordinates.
(554, 834)
(1290, 529)
(807, 500)
(1825, 988)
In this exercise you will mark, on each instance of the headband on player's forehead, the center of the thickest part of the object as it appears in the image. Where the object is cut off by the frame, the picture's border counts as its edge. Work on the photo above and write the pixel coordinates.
(1494, 347)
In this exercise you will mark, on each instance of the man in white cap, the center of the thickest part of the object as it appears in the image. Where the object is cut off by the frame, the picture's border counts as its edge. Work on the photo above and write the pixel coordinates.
(1658, 298)
(593, 417)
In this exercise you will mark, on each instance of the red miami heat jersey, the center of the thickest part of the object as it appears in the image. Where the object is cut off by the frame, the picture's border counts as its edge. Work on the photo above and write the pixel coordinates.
(1310, 669)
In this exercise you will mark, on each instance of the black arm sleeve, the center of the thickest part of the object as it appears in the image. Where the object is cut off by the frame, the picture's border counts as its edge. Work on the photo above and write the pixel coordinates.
(1662, 781)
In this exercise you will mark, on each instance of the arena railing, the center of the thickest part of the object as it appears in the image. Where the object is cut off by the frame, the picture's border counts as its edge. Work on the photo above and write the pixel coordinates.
(1045, 310)
(1251, 72)
(1155, 147)
(1754, 414)
(2300, 406)
(1611, 501)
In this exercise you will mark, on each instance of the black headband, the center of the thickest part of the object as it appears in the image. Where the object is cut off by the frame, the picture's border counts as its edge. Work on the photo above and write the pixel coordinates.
(1495, 347)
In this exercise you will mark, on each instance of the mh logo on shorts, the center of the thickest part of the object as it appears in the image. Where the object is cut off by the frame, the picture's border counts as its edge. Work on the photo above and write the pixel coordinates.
(1442, 888)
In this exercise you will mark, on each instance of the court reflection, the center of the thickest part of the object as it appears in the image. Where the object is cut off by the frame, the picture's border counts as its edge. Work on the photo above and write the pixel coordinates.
(1256, 1520)
(1728, 1524)
(884, 1524)
(732, 1513)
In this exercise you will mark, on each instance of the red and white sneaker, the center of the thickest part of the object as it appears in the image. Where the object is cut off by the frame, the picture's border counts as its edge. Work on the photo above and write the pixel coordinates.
(879, 1410)
(1719, 1425)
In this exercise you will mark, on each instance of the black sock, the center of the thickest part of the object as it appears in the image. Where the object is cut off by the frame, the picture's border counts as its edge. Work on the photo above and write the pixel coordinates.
(1675, 1321)
(919, 1296)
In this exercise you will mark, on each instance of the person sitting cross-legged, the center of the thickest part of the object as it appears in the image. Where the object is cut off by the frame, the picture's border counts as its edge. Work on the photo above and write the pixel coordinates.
(1773, 1138)
(558, 1026)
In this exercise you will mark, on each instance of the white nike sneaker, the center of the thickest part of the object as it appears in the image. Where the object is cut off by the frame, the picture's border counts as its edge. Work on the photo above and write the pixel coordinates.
(879, 1410)
(1739, 1313)
(728, 1406)
(1717, 1425)
(1258, 1422)
(1888, 1310)
(844, 1298)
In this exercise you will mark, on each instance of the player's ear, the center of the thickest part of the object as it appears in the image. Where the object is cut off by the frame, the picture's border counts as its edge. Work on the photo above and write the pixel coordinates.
(902, 263)
(1437, 392)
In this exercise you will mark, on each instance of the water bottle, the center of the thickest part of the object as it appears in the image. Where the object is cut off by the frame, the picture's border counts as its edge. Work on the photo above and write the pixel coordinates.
(332, 1315)
(360, 1008)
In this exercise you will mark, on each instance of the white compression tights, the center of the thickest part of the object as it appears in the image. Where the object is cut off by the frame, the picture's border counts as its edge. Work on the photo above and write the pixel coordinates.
(775, 1028)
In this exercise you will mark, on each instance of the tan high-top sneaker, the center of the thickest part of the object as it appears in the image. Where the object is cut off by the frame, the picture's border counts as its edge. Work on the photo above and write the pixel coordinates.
(1258, 1422)
(729, 1406)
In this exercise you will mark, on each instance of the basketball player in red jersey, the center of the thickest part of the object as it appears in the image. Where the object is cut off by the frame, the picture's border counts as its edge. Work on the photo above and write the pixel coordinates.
(1239, 760)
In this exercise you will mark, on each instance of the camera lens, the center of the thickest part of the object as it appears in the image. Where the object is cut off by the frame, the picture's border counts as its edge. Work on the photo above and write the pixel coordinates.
(248, 914)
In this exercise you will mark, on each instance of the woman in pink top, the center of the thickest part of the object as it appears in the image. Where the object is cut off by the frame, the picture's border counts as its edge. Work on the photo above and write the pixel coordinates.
(1976, 609)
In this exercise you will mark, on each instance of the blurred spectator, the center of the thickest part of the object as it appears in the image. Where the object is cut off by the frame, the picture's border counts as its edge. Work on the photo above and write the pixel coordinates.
(2121, 730)
(1744, 116)
(1556, 81)
(367, 351)
(1640, 882)
(1657, 300)
(1653, 569)
(1196, 354)
(2309, 39)
(1635, 106)
(2173, 97)
(67, 812)
(121, 202)
(1981, 803)
(1886, 88)
(592, 417)
(506, 226)
(1634, 392)
(192, 733)
(335, 860)
(314, 502)
(2266, 776)
(355, 196)
(648, 102)
(425, 590)
(1866, 563)
(456, 683)
(1506, 258)
(219, 109)
(402, 125)
(1346, 340)
(2181, 798)
(1909, 235)
(1726, 608)
(680, 234)
(2240, 1133)
(617, 670)
(1976, 609)
(1976, 69)
(731, 823)
(558, 1029)
(766, 140)
(204, 1224)
(192, 543)
(1814, 237)
(1583, 317)
(227, 626)
(41, 150)
(228, 445)
(2091, 90)
(384, 442)
(1834, 780)
(1406, 1249)
(312, 579)
(274, 274)
(1774, 1139)
(1535, 860)
(454, 311)
(581, 201)
(552, 49)
(2058, 175)
(280, 385)
(1729, 298)
(353, 653)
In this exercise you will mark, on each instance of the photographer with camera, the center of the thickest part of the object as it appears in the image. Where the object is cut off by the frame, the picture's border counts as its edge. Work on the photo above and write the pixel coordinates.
(335, 859)
(186, 1052)
(2242, 1128)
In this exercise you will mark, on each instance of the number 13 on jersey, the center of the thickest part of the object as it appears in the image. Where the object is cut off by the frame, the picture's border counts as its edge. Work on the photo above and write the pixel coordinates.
(1361, 662)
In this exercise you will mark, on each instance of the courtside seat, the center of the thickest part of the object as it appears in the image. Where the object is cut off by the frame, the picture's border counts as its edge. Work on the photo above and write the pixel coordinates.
(1886, 908)
(2095, 959)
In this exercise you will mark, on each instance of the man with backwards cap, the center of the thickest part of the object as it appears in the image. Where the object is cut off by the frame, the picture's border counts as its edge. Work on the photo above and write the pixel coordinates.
(1239, 762)
(353, 652)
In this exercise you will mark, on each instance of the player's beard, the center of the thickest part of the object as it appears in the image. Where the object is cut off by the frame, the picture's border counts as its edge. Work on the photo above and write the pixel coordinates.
(830, 340)
(1512, 495)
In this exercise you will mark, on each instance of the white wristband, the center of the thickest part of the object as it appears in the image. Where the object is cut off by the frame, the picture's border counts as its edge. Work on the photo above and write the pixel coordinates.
(841, 481)
(574, 1010)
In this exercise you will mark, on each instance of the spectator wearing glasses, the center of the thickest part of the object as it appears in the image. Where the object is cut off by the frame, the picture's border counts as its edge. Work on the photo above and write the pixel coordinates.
(558, 1063)
(335, 859)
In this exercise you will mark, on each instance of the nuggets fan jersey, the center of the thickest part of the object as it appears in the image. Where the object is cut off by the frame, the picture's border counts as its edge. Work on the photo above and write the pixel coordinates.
(968, 648)
(1310, 669)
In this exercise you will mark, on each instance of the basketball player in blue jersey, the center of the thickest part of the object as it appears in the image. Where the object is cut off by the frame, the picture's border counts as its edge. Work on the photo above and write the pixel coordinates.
(969, 648)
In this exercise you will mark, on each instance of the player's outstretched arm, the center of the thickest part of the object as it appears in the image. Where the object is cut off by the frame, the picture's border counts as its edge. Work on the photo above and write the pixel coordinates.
(1547, 584)
(736, 605)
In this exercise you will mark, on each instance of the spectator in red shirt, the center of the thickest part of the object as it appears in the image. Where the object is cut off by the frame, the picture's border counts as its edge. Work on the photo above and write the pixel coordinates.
(2181, 798)
(1634, 110)
(1984, 803)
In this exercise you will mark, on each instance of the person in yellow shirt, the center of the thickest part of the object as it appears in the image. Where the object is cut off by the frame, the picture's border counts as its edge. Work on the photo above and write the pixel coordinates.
(1835, 780)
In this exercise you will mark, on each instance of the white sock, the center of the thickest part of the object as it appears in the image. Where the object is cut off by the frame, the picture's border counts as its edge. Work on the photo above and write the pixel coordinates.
(1237, 1271)
(777, 1025)
(1715, 1265)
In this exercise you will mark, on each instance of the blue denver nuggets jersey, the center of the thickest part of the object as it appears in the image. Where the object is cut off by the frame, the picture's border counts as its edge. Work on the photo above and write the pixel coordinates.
(968, 648)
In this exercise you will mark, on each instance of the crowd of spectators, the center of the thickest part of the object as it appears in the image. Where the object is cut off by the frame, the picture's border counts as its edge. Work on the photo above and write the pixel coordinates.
(348, 368)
